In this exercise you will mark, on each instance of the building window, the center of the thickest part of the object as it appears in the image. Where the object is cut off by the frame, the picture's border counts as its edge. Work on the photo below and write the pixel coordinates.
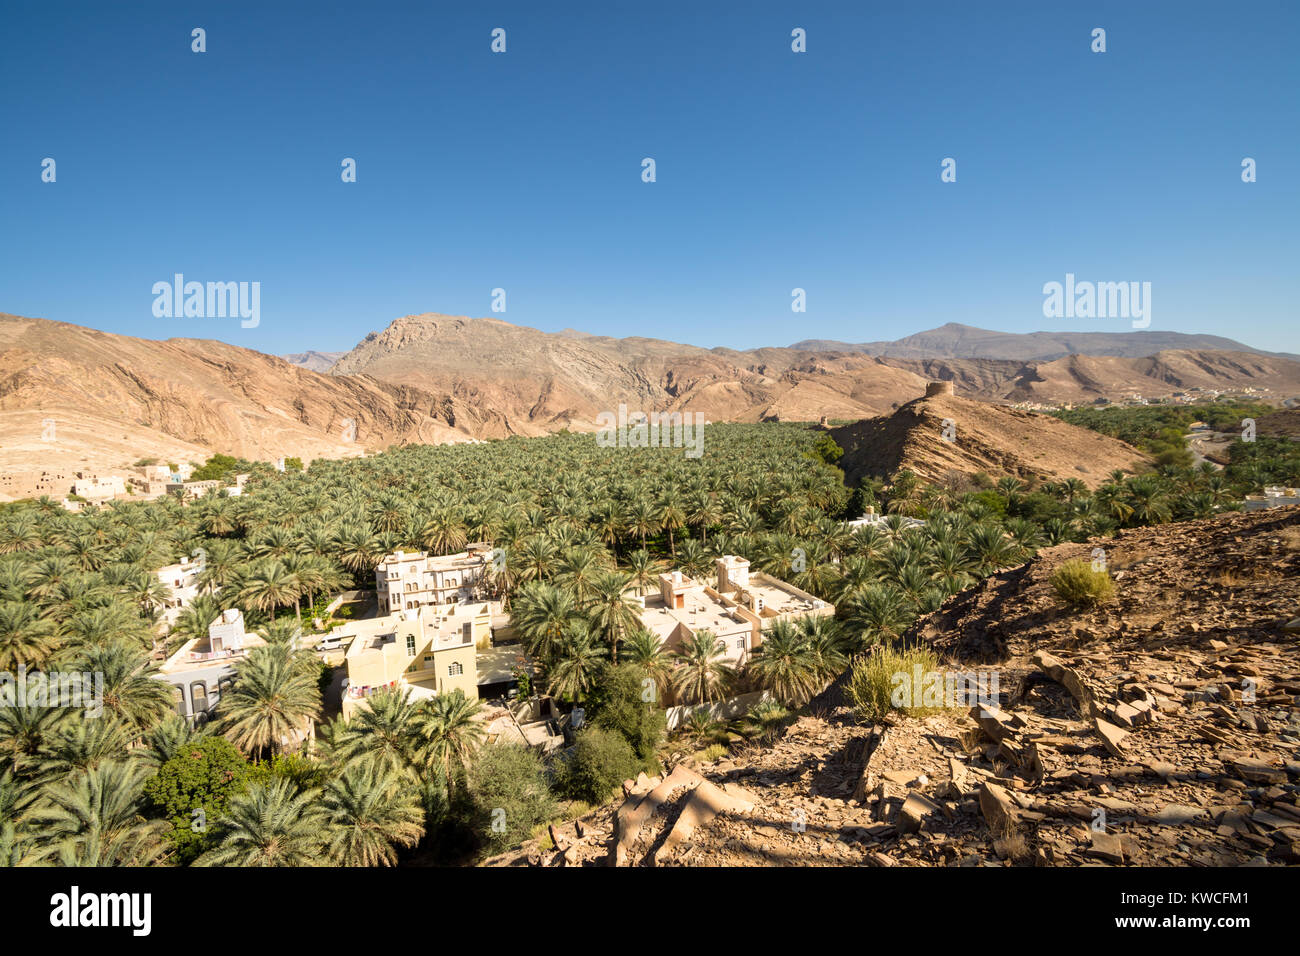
(455, 669)
(410, 645)
(199, 695)
(178, 698)
(467, 631)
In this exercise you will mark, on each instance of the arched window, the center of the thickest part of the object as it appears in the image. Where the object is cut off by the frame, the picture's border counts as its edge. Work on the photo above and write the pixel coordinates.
(178, 698)
(199, 697)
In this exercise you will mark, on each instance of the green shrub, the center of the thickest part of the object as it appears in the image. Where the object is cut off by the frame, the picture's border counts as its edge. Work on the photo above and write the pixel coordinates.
(601, 761)
(616, 705)
(194, 788)
(877, 677)
(1079, 585)
(713, 752)
(509, 795)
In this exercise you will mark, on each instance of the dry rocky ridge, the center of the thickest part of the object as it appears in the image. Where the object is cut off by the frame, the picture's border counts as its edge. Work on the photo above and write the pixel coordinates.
(114, 399)
(1160, 729)
(434, 378)
(507, 379)
(989, 438)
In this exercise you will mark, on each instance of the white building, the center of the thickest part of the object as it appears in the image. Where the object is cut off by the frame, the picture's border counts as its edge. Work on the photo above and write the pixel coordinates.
(406, 580)
(736, 611)
(871, 519)
(1274, 496)
(182, 580)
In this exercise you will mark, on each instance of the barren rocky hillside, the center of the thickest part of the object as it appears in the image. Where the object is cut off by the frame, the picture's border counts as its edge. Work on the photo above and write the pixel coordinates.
(1158, 729)
(437, 378)
(507, 379)
(114, 399)
(984, 438)
(954, 340)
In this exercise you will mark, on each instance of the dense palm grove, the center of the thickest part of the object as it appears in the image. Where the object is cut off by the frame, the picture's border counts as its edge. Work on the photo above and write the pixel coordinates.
(582, 530)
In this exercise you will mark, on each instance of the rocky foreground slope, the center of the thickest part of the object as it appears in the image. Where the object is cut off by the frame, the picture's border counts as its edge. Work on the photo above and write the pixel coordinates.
(1160, 729)
(943, 433)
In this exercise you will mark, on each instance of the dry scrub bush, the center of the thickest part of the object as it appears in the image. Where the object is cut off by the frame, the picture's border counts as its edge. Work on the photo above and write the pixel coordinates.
(1078, 585)
(876, 676)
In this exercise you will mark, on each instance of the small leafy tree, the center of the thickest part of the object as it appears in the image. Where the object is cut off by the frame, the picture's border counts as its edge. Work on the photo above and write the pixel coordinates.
(193, 788)
(509, 796)
(618, 703)
(601, 760)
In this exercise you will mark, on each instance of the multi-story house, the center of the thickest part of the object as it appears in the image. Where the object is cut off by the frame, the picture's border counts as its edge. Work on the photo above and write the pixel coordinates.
(408, 580)
(95, 487)
(205, 668)
(737, 610)
(430, 649)
(182, 579)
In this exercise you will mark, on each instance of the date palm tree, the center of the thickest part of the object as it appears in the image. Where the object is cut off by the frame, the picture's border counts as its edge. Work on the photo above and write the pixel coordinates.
(645, 570)
(388, 731)
(270, 586)
(702, 511)
(612, 611)
(644, 649)
(536, 559)
(578, 658)
(131, 692)
(671, 515)
(785, 664)
(540, 613)
(83, 745)
(878, 614)
(92, 819)
(702, 674)
(451, 725)
(26, 638)
(370, 810)
(270, 824)
(270, 703)
(578, 569)
(694, 560)
(27, 734)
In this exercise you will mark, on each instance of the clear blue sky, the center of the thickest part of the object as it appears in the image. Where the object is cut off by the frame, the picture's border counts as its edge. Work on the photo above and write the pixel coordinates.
(775, 170)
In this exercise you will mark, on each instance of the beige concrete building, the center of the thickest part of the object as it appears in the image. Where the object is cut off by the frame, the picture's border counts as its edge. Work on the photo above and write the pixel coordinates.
(204, 669)
(98, 487)
(430, 649)
(736, 610)
(1274, 496)
(16, 485)
(154, 472)
(188, 490)
(409, 580)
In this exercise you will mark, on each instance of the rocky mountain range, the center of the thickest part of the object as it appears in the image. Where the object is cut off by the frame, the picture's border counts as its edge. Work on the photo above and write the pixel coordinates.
(436, 378)
(313, 360)
(955, 340)
(503, 379)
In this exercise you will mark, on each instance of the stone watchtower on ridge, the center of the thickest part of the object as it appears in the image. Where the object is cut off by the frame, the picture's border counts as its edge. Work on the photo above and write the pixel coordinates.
(938, 388)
